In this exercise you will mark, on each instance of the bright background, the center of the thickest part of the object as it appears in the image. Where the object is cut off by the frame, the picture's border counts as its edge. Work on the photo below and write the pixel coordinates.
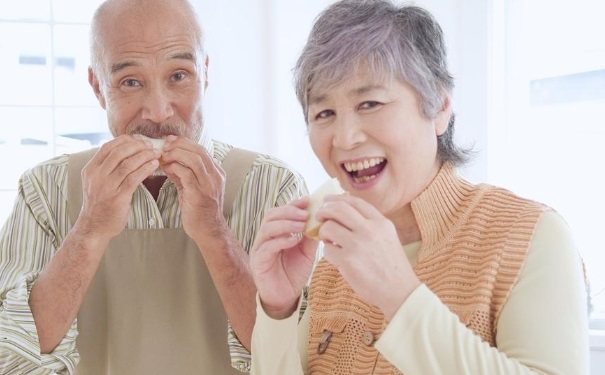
(530, 80)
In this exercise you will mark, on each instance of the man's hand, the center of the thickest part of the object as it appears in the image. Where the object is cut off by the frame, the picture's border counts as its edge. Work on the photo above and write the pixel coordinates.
(109, 181)
(281, 259)
(200, 183)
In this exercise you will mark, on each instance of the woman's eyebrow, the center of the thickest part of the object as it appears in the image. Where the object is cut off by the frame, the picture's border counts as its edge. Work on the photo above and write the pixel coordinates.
(318, 99)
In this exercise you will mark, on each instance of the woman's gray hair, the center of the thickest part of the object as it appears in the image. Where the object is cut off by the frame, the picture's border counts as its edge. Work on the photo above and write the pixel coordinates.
(401, 42)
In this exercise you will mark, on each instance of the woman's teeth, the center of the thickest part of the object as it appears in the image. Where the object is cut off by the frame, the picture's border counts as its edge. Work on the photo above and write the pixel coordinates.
(366, 170)
(360, 165)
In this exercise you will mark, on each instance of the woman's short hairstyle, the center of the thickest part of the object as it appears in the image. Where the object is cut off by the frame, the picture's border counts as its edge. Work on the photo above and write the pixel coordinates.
(401, 42)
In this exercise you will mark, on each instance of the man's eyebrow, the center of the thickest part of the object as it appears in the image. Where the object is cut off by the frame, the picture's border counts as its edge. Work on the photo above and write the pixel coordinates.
(126, 64)
(182, 56)
(318, 99)
(121, 66)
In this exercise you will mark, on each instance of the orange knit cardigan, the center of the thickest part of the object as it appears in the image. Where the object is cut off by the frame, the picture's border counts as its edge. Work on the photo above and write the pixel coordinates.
(474, 241)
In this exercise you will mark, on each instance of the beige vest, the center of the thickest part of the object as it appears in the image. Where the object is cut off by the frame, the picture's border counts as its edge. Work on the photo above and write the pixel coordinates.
(152, 307)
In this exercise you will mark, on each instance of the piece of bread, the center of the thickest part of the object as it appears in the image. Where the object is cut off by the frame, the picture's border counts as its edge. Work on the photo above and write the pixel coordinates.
(158, 143)
(316, 200)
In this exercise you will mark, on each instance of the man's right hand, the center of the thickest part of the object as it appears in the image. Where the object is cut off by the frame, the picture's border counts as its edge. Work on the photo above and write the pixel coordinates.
(108, 183)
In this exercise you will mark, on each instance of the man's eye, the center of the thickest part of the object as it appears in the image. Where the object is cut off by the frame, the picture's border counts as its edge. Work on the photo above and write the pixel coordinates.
(130, 83)
(179, 76)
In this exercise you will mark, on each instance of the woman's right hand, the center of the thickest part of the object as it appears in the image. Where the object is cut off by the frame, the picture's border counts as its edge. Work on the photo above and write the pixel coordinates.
(281, 259)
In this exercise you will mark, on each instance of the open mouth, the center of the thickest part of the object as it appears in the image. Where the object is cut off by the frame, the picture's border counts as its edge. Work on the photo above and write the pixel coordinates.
(365, 170)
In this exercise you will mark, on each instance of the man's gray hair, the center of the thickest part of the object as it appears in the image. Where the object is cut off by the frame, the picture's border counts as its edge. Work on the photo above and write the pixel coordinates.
(401, 42)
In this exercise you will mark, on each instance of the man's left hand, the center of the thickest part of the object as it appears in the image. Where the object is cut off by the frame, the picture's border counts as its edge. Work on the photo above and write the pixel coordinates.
(200, 183)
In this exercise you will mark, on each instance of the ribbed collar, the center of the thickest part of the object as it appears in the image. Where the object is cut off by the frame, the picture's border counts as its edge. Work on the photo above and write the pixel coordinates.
(442, 208)
(206, 141)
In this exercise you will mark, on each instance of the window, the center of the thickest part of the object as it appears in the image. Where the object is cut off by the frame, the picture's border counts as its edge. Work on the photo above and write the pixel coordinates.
(45, 96)
(546, 136)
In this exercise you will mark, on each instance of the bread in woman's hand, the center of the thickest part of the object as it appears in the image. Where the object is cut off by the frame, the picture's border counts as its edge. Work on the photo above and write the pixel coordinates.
(316, 200)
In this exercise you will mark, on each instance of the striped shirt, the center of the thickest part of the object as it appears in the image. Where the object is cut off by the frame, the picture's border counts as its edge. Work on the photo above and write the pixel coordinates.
(39, 223)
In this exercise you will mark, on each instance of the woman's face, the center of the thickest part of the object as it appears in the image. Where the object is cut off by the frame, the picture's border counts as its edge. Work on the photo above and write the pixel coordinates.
(373, 137)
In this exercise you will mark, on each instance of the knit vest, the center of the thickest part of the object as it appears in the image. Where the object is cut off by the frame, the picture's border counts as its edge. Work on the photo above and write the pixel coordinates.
(474, 239)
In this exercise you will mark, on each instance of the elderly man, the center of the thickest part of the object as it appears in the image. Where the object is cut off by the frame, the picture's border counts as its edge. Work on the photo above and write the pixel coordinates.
(121, 260)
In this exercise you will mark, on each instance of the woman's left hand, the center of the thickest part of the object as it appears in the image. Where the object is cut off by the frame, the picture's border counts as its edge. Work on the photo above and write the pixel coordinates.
(364, 246)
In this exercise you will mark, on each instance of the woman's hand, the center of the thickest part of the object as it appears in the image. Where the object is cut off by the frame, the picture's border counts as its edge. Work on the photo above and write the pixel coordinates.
(364, 246)
(282, 259)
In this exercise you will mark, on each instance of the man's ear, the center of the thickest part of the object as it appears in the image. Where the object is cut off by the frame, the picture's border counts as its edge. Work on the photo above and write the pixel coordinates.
(93, 80)
(206, 72)
(444, 115)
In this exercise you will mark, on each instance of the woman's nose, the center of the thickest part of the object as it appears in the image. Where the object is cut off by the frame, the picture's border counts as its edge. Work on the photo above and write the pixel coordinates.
(348, 133)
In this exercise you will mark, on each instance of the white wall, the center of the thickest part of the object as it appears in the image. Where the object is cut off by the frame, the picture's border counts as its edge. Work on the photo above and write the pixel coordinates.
(251, 102)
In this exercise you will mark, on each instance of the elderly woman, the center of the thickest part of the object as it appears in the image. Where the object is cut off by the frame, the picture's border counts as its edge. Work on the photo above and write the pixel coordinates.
(422, 271)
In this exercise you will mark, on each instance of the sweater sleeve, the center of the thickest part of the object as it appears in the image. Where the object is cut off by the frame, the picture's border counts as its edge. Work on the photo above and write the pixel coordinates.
(276, 346)
(543, 327)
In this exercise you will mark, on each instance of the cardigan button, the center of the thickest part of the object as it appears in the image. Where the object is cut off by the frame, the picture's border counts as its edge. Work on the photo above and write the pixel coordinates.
(367, 338)
(324, 341)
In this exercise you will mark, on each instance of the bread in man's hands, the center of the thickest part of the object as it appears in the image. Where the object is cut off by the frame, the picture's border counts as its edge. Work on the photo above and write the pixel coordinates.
(158, 143)
(316, 200)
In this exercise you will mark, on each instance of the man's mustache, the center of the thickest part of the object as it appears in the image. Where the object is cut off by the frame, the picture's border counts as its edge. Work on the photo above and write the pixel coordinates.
(157, 130)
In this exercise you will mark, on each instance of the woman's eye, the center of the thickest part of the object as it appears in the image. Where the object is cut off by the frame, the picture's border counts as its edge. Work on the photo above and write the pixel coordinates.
(369, 105)
(324, 114)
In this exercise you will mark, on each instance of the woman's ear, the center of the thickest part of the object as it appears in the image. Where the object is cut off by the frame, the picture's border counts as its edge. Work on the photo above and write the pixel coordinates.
(444, 115)
(93, 80)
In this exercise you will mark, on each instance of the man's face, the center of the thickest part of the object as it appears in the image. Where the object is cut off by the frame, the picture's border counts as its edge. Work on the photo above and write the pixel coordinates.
(151, 76)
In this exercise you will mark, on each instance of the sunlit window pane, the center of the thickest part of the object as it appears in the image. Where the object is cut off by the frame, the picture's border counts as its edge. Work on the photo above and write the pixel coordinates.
(74, 11)
(25, 65)
(79, 128)
(29, 141)
(25, 10)
(71, 59)
(555, 98)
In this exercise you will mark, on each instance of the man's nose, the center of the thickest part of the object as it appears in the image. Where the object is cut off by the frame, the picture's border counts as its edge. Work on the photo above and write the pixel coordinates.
(158, 105)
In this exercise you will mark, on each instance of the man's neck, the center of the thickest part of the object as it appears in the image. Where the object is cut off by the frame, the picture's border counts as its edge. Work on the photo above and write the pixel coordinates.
(154, 184)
